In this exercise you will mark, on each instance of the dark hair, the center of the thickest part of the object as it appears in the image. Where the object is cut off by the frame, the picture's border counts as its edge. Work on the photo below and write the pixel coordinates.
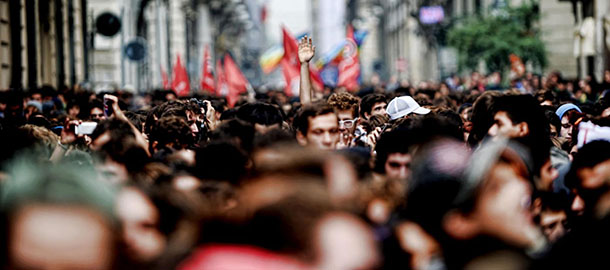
(221, 161)
(549, 95)
(525, 108)
(117, 128)
(301, 120)
(155, 113)
(482, 118)
(260, 113)
(126, 151)
(590, 155)
(551, 117)
(395, 141)
(171, 129)
(273, 137)
(136, 118)
(236, 131)
(368, 101)
(96, 103)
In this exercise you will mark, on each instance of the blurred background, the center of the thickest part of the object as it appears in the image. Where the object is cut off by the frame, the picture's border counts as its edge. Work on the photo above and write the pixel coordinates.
(134, 44)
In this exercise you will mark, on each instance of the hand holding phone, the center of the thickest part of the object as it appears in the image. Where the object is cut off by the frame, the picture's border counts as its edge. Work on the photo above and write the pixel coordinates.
(85, 128)
(108, 109)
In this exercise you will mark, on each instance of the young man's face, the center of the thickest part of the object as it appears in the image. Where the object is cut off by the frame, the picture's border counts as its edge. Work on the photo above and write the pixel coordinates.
(503, 126)
(347, 121)
(378, 109)
(323, 132)
(502, 208)
(553, 224)
(594, 188)
(97, 114)
(397, 166)
(36, 97)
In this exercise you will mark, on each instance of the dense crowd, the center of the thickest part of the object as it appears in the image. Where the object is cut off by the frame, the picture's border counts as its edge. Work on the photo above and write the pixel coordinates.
(463, 173)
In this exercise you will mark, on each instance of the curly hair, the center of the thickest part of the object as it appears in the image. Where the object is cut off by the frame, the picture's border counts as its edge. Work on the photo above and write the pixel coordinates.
(344, 101)
(172, 130)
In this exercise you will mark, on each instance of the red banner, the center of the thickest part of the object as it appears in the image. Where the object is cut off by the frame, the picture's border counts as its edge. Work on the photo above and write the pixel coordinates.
(349, 68)
(207, 78)
(180, 81)
(165, 80)
(236, 80)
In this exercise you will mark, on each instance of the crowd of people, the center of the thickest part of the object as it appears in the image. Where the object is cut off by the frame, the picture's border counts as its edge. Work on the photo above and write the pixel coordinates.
(459, 174)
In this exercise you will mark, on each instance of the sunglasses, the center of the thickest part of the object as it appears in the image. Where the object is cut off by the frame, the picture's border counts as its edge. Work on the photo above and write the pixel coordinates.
(347, 123)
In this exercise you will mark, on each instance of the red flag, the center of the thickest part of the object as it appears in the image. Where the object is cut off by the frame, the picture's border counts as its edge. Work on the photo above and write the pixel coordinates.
(291, 66)
(180, 80)
(291, 75)
(164, 78)
(237, 82)
(207, 78)
(349, 68)
(222, 88)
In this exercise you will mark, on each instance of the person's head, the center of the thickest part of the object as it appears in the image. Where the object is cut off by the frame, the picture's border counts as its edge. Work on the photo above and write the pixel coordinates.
(404, 106)
(490, 200)
(567, 124)
(346, 108)
(482, 117)
(73, 109)
(520, 117)
(96, 111)
(171, 132)
(317, 126)
(236, 131)
(221, 161)
(139, 221)
(35, 95)
(517, 116)
(262, 116)
(393, 154)
(156, 219)
(373, 104)
(57, 217)
(553, 215)
(589, 177)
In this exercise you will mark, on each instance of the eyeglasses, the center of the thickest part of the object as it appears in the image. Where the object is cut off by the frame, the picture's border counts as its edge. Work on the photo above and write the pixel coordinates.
(348, 123)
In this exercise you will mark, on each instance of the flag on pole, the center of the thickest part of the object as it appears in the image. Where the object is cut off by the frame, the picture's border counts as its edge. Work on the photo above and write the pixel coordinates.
(180, 80)
(349, 68)
(236, 80)
(222, 88)
(165, 80)
(207, 78)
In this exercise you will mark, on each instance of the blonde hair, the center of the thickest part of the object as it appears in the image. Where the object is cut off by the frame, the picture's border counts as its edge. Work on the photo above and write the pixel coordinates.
(44, 137)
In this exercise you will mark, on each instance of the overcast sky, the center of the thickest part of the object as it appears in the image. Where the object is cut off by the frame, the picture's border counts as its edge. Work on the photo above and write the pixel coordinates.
(294, 14)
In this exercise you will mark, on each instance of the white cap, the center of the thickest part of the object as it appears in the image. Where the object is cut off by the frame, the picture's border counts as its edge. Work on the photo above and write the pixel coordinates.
(404, 105)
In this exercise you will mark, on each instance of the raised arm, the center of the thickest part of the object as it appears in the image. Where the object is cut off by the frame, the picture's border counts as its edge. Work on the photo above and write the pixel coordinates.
(306, 53)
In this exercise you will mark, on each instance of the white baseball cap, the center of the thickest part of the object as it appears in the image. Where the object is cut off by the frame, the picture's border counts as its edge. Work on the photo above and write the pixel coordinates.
(404, 105)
